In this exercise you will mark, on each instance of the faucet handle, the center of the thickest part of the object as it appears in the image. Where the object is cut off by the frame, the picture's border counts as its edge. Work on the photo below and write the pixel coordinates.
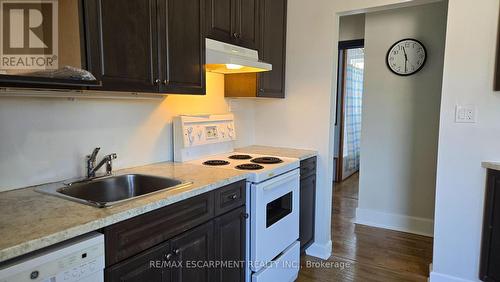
(109, 163)
(93, 156)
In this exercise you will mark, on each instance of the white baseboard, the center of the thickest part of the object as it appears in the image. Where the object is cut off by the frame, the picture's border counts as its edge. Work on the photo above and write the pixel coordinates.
(439, 277)
(322, 251)
(404, 223)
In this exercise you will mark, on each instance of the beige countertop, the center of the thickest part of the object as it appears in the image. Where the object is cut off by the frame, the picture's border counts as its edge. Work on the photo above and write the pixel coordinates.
(279, 151)
(30, 220)
(491, 165)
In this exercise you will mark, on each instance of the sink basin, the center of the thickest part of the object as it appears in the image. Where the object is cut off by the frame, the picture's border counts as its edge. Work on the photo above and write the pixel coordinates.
(108, 191)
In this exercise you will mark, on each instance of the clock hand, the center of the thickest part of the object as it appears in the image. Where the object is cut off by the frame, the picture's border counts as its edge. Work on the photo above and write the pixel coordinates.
(406, 59)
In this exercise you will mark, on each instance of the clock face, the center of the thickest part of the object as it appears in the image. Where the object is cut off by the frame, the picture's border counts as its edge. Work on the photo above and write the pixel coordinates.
(406, 57)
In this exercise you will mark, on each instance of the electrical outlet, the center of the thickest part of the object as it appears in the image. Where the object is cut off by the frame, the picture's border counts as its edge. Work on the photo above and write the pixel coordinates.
(465, 114)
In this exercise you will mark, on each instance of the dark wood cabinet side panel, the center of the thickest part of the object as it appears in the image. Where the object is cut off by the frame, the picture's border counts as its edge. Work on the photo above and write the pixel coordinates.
(92, 23)
(308, 167)
(137, 234)
(307, 211)
(273, 48)
(490, 245)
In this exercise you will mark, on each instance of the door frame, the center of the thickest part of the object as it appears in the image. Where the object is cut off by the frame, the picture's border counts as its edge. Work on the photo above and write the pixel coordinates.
(339, 120)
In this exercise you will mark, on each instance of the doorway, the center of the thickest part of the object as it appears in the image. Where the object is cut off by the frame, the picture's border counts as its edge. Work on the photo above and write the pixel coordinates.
(349, 97)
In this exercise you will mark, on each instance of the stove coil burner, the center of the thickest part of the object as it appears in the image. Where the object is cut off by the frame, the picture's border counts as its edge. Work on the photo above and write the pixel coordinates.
(249, 167)
(267, 160)
(216, 162)
(240, 157)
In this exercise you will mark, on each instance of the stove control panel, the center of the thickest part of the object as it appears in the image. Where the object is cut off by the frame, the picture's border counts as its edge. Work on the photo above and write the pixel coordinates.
(203, 130)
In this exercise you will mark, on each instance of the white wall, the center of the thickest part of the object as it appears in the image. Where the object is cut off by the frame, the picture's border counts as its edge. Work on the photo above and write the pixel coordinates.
(45, 140)
(400, 122)
(468, 79)
(352, 27)
(305, 118)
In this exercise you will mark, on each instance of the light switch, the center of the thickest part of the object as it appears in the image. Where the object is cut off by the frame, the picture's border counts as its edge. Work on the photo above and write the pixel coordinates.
(465, 114)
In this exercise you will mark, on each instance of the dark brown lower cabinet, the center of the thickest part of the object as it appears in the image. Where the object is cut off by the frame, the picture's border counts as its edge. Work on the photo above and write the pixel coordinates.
(229, 246)
(307, 198)
(189, 250)
(490, 249)
(307, 202)
(147, 266)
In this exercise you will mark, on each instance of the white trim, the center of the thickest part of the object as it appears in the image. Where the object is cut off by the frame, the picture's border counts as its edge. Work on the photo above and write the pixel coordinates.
(322, 251)
(439, 277)
(398, 222)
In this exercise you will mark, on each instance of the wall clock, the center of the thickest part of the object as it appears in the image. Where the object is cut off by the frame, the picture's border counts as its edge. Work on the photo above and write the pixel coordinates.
(406, 57)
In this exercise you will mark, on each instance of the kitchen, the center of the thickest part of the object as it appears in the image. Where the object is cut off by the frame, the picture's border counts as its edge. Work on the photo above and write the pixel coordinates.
(141, 69)
(176, 180)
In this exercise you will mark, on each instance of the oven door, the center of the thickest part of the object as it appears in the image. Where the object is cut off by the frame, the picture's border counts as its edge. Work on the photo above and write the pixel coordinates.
(274, 217)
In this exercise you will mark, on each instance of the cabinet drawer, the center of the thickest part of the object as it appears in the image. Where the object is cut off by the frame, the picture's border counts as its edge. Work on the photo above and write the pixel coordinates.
(307, 167)
(138, 268)
(230, 197)
(137, 234)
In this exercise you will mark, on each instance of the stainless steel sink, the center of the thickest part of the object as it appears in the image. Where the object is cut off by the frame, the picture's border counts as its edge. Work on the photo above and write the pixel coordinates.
(108, 191)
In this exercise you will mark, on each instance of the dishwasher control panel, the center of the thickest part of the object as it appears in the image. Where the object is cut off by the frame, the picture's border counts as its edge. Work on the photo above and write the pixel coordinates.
(81, 260)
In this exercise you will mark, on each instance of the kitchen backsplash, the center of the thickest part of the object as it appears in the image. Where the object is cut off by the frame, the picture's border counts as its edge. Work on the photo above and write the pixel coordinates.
(44, 140)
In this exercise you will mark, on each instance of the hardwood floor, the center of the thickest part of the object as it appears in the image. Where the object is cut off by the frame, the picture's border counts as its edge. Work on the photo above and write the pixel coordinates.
(363, 253)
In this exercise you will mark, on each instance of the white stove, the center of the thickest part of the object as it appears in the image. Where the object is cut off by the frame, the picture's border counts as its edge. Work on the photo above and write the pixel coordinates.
(258, 167)
(272, 249)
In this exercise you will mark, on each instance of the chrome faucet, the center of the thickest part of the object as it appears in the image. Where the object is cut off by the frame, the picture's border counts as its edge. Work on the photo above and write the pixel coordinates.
(91, 163)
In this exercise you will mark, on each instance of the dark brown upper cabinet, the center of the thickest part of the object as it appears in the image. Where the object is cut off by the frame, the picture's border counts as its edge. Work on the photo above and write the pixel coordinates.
(233, 21)
(272, 49)
(47, 60)
(154, 46)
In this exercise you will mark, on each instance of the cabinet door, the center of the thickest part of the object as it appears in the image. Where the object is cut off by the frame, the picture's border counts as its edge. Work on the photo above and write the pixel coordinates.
(182, 52)
(127, 58)
(220, 20)
(147, 266)
(247, 23)
(230, 244)
(194, 246)
(307, 199)
(272, 48)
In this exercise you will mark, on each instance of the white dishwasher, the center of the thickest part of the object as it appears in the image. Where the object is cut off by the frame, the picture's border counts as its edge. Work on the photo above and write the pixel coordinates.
(80, 259)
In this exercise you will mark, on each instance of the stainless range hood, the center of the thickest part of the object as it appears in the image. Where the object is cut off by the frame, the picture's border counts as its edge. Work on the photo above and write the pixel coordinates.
(227, 58)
